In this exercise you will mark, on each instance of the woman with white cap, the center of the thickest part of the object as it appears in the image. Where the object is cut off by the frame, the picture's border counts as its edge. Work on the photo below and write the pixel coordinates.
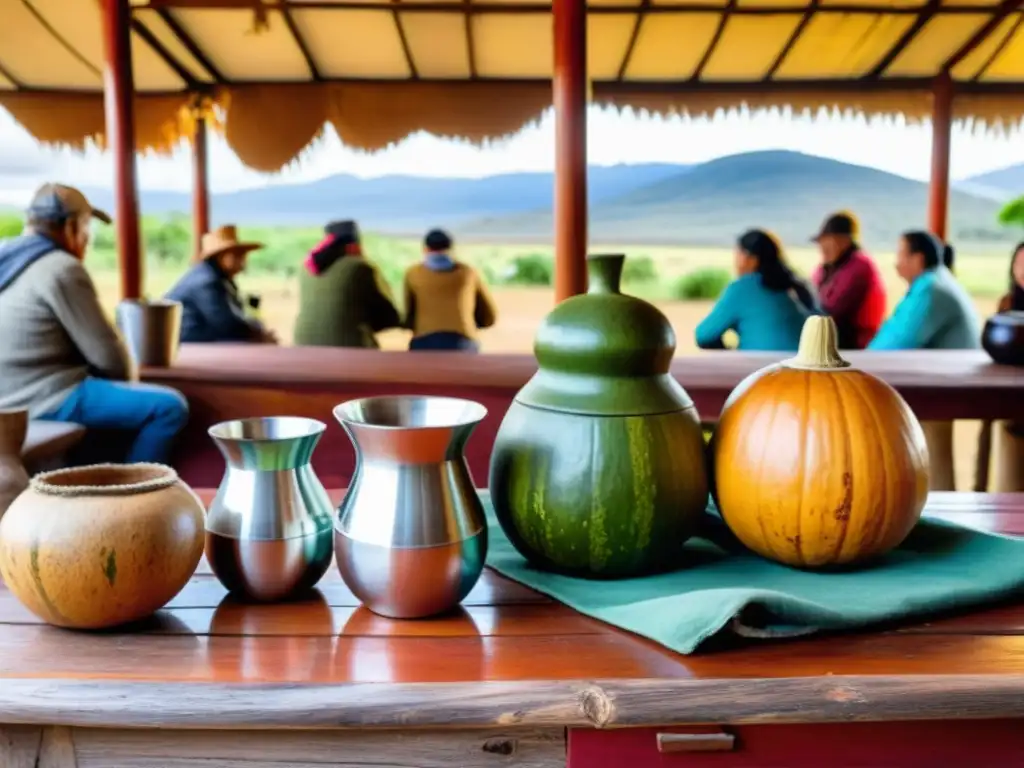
(211, 308)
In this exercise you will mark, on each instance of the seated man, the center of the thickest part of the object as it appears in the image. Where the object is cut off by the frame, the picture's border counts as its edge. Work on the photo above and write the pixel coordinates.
(446, 301)
(59, 356)
(211, 308)
(850, 287)
(344, 301)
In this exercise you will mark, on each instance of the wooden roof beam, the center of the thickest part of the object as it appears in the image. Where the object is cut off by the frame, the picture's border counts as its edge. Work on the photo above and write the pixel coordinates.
(307, 54)
(404, 40)
(1002, 11)
(800, 27)
(633, 37)
(190, 45)
(730, 6)
(906, 39)
(998, 51)
(538, 7)
(151, 40)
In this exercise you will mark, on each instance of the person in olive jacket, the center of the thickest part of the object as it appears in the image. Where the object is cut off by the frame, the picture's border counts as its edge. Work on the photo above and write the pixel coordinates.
(211, 308)
(343, 300)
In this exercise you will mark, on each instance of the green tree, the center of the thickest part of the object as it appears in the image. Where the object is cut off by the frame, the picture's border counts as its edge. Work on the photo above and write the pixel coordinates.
(1012, 214)
(168, 241)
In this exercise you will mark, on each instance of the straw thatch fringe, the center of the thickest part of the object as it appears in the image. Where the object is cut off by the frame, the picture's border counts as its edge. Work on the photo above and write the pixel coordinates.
(77, 120)
(995, 113)
(270, 126)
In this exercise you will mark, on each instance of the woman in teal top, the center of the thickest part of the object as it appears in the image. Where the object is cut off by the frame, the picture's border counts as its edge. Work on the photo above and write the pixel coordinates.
(936, 312)
(766, 305)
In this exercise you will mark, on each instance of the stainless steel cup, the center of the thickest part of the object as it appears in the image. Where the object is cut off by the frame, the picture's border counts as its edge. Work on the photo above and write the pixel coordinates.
(269, 528)
(410, 536)
(151, 330)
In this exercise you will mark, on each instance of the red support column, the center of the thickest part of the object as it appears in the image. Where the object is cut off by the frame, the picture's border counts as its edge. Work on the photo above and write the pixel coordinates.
(118, 96)
(200, 185)
(942, 127)
(570, 99)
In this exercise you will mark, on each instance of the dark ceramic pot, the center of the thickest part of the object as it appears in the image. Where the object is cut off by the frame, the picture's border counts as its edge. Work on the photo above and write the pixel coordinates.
(598, 469)
(1003, 338)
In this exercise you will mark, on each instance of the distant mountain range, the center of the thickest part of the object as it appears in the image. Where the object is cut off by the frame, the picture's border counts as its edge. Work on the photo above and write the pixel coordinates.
(401, 204)
(787, 192)
(710, 203)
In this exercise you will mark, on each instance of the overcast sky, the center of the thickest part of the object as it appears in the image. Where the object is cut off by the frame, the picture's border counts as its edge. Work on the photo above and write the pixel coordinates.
(613, 138)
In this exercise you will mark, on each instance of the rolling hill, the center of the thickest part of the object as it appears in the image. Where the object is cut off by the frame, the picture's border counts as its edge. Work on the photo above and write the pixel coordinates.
(787, 192)
(400, 204)
(1006, 182)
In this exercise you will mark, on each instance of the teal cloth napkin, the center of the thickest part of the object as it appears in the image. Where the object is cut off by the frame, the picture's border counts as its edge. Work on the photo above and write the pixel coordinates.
(940, 567)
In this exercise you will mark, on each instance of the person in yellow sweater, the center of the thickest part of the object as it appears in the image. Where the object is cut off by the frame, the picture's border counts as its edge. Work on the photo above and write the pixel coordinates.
(446, 301)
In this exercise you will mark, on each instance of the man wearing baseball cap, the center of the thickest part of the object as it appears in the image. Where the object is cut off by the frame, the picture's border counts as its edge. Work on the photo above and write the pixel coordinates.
(59, 355)
(850, 287)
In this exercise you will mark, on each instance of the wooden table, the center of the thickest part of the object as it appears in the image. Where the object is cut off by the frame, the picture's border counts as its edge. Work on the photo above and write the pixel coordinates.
(324, 682)
(231, 381)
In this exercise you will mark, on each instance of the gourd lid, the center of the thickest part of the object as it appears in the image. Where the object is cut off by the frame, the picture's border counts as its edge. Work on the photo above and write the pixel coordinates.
(605, 353)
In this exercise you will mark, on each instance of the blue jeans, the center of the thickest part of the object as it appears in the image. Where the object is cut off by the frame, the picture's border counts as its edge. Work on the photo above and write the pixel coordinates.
(443, 341)
(152, 416)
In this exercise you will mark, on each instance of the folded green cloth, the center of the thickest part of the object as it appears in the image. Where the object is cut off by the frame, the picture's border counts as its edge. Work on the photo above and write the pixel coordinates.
(940, 567)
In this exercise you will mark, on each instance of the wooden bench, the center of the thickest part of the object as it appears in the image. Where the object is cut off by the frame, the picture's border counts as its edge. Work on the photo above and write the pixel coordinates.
(47, 442)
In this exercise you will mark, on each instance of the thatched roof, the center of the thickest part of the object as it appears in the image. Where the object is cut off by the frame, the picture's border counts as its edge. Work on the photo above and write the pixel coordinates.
(377, 70)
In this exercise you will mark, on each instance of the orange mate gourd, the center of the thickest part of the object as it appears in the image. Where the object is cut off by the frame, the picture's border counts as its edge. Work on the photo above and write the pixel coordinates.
(817, 463)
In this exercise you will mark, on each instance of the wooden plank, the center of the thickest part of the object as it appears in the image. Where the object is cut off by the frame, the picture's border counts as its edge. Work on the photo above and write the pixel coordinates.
(515, 748)
(601, 703)
(33, 747)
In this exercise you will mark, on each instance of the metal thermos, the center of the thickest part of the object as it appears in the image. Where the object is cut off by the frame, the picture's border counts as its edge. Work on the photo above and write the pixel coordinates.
(410, 537)
(151, 330)
(269, 528)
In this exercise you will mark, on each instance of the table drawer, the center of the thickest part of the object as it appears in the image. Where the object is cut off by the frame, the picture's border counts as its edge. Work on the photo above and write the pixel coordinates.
(928, 744)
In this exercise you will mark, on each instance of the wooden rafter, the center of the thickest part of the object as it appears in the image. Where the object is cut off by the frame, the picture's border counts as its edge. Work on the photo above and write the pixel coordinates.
(730, 6)
(998, 51)
(470, 42)
(307, 54)
(6, 75)
(61, 40)
(404, 40)
(537, 7)
(633, 38)
(151, 40)
(799, 30)
(1001, 12)
(906, 38)
(190, 45)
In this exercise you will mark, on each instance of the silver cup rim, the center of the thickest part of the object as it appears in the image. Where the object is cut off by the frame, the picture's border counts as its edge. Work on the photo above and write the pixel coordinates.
(219, 430)
(476, 412)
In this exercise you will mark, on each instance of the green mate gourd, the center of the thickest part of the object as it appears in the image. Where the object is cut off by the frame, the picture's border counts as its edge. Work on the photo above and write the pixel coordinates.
(598, 467)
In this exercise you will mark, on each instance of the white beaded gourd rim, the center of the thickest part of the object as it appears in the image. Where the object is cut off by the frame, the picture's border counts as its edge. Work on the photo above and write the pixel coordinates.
(105, 480)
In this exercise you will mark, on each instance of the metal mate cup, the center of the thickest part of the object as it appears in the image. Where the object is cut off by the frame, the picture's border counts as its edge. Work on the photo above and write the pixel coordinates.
(151, 330)
(269, 528)
(410, 537)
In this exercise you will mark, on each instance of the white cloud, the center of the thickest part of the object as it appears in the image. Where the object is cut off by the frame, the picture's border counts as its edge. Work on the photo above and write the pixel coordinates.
(613, 138)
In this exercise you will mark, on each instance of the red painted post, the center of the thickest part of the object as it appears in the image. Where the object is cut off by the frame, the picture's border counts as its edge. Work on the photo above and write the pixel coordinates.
(570, 99)
(200, 185)
(118, 96)
(942, 127)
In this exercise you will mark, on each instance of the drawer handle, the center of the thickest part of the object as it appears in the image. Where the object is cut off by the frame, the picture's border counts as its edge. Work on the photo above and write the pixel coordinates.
(696, 742)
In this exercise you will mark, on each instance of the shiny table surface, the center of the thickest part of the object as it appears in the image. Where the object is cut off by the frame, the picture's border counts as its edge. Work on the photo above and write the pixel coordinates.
(509, 656)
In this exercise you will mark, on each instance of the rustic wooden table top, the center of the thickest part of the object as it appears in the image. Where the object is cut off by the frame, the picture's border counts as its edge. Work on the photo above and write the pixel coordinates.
(509, 657)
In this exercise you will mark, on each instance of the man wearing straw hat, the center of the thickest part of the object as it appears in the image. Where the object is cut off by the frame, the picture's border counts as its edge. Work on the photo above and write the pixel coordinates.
(211, 308)
(60, 358)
